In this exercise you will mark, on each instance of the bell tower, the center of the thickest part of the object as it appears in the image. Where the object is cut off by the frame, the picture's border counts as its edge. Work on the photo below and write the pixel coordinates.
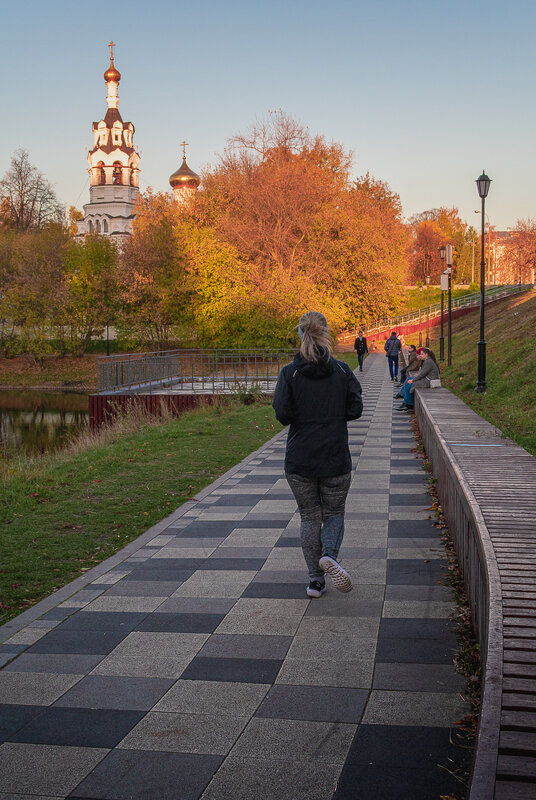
(113, 168)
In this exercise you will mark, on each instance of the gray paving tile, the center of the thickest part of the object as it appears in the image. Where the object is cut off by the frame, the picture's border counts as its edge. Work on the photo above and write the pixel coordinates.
(353, 673)
(46, 769)
(303, 740)
(342, 645)
(160, 655)
(213, 697)
(39, 689)
(435, 709)
(215, 583)
(135, 588)
(271, 778)
(185, 733)
(197, 605)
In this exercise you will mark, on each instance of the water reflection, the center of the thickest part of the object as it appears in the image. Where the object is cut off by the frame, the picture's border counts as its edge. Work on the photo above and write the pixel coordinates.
(40, 422)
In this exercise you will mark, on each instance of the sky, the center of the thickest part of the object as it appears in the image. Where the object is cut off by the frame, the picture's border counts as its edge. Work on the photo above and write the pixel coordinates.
(425, 94)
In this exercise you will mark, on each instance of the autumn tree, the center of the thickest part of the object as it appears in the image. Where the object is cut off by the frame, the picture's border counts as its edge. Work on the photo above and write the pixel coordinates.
(152, 273)
(430, 230)
(27, 200)
(91, 290)
(518, 261)
(284, 200)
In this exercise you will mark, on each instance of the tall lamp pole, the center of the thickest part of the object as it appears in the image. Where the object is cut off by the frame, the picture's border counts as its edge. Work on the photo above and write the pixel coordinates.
(449, 314)
(442, 253)
(427, 310)
(483, 183)
(420, 307)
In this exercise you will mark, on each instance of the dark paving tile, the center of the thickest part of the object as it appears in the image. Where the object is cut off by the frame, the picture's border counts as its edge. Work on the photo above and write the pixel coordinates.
(288, 541)
(78, 727)
(416, 651)
(131, 775)
(58, 613)
(316, 703)
(396, 479)
(428, 782)
(102, 621)
(411, 528)
(402, 746)
(252, 564)
(206, 530)
(79, 642)
(417, 678)
(366, 515)
(180, 623)
(267, 479)
(146, 573)
(423, 592)
(407, 627)
(420, 500)
(58, 663)
(242, 670)
(164, 564)
(143, 588)
(261, 523)
(238, 499)
(405, 462)
(282, 590)
(14, 717)
(13, 648)
(414, 571)
(103, 691)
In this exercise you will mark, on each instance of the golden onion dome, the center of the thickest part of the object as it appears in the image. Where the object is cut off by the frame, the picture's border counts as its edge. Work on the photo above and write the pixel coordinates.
(184, 176)
(112, 74)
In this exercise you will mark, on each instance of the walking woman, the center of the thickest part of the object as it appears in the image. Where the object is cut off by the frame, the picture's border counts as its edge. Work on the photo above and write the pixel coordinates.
(316, 395)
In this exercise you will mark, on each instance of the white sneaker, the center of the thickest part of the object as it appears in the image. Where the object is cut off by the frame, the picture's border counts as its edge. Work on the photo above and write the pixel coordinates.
(341, 579)
(316, 589)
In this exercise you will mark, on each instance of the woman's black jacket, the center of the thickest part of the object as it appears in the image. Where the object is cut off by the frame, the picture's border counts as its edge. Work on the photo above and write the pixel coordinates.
(317, 399)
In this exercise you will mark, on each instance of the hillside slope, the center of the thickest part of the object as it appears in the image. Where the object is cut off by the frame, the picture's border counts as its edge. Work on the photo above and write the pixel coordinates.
(510, 333)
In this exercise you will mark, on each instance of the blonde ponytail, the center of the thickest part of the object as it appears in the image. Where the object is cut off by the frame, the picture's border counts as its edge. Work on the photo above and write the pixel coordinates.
(316, 340)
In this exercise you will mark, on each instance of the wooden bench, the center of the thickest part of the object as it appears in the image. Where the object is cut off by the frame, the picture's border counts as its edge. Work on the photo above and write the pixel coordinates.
(487, 489)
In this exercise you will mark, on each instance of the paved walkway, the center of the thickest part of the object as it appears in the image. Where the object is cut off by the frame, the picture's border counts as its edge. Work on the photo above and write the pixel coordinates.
(192, 665)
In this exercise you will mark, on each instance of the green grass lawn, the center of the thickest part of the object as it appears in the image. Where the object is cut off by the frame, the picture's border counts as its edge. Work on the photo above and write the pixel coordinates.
(510, 370)
(61, 515)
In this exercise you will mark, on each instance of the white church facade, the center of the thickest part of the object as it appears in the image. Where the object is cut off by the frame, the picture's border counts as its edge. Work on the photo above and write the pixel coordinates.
(114, 170)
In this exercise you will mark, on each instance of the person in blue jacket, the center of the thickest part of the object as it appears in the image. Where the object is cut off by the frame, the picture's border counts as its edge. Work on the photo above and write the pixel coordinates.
(317, 395)
(392, 349)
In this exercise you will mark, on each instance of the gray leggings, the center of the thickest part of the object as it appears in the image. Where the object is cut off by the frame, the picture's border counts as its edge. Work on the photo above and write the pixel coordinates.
(321, 504)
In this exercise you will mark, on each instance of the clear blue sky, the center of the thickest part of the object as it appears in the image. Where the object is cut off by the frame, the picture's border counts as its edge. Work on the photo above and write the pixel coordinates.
(425, 94)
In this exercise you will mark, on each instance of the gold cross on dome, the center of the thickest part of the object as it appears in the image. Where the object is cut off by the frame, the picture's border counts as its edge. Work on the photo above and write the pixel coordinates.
(184, 145)
(111, 46)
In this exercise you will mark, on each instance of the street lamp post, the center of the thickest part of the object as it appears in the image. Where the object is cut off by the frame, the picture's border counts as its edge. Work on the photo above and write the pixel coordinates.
(427, 311)
(442, 253)
(483, 183)
(449, 313)
(420, 308)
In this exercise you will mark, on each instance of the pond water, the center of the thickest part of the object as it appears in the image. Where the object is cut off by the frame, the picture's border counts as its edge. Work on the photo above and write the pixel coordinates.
(39, 422)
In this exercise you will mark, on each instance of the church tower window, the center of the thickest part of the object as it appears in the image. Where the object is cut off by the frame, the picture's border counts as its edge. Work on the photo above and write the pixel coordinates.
(118, 173)
(102, 173)
(90, 226)
(105, 226)
(97, 225)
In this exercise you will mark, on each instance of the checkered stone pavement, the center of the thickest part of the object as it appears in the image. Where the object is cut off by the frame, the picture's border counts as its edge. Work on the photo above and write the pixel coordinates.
(192, 664)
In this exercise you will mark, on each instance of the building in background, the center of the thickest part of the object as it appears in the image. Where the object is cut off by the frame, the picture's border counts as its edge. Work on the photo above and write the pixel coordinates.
(184, 181)
(113, 168)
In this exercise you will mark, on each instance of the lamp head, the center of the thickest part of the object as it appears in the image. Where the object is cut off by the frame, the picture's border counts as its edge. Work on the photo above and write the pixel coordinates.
(483, 183)
(442, 251)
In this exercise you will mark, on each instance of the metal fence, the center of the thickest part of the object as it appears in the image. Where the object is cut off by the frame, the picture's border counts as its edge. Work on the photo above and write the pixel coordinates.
(465, 301)
(192, 371)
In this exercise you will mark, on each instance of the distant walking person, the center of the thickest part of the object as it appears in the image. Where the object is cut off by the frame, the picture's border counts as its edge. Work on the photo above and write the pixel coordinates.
(316, 395)
(360, 346)
(392, 348)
